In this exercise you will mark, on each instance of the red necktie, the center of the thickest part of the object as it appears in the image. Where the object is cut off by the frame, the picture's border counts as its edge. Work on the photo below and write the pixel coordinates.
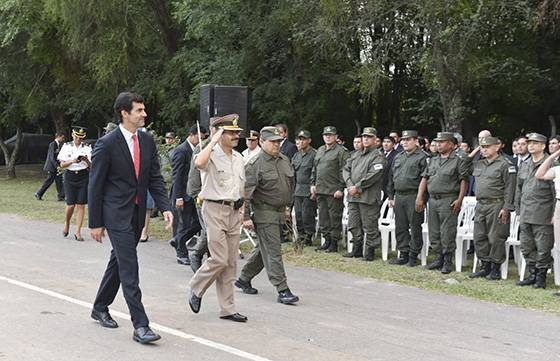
(136, 161)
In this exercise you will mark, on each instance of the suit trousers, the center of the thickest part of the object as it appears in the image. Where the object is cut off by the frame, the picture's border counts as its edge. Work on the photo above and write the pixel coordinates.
(52, 177)
(223, 226)
(187, 226)
(122, 269)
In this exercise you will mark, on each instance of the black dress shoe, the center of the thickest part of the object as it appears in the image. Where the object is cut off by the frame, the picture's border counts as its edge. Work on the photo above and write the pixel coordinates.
(145, 335)
(237, 317)
(172, 243)
(184, 261)
(194, 302)
(104, 319)
(38, 197)
(287, 297)
(246, 287)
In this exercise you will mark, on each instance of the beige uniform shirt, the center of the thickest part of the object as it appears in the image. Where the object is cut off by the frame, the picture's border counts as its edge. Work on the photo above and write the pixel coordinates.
(223, 179)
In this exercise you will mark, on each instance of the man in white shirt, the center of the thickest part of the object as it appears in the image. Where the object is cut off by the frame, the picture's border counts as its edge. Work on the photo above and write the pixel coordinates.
(253, 148)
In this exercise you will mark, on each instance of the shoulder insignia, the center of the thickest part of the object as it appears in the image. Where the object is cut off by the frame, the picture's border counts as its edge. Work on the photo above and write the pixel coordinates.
(378, 166)
(512, 169)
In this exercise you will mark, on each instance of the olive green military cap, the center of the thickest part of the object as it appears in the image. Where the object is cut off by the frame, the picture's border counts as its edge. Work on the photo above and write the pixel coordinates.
(329, 130)
(536, 137)
(409, 134)
(271, 133)
(253, 135)
(443, 136)
(489, 141)
(227, 122)
(369, 132)
(304, 134)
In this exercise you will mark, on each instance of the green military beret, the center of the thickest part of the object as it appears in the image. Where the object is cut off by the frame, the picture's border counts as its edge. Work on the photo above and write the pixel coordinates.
(369, 132)
(409, 134)
(271, 133)
(536, 137)
(304, 134)
(329, 130)
(489, 141)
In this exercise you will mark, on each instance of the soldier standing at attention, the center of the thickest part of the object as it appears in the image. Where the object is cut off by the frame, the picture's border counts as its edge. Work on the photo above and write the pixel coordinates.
(495, 180)
(305, 207)
(534, 199)
(223, 175)
(446, 180)
(269, 189)
(363, 174)
(404, 178)
(327, 184)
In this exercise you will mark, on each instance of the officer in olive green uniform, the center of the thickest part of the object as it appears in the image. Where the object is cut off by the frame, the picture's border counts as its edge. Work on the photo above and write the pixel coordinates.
(328, 185)
(269, 188)
(404, 178)
(305, 207)
(534, 199)
(495, 179)
(446, 179)
(363, 174)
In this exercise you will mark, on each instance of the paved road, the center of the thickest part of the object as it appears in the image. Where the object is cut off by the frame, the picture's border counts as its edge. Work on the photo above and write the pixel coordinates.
(47, 283)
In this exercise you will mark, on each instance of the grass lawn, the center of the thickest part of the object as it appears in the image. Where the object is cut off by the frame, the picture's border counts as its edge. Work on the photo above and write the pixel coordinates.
(16, 197)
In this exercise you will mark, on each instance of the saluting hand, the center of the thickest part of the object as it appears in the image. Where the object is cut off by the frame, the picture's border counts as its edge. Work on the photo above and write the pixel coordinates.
(216, 137)
(98, 234)
(168, 218)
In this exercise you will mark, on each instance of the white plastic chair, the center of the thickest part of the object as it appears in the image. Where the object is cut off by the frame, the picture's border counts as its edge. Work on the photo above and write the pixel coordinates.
(425, 240)
(465, 228)
(387, 229)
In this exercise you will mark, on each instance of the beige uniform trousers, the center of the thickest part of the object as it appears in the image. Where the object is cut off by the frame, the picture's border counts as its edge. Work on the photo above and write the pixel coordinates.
(223, 225)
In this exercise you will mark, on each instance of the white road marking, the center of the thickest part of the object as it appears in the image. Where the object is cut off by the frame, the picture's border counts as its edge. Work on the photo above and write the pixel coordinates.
(155, 326)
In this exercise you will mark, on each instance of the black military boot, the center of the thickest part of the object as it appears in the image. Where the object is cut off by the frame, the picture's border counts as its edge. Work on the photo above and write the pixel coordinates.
(325, 245)
(484, 271)
(412, 259)
(369, 254)
(437, 263)
(357, 251)
(531, 279)
(402, 260)
(447, 264)
(308, 240)
(496, 272)
(541, 278)
(333, 247)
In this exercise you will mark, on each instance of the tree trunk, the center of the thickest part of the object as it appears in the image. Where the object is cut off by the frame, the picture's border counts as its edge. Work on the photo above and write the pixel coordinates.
(12, 159)
(552, 121)
(59, 120)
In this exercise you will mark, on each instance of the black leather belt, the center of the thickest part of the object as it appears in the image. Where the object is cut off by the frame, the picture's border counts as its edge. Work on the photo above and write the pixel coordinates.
(77, 171)
(225, 203)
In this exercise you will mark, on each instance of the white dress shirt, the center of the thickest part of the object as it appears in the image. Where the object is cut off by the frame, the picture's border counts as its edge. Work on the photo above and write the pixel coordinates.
(128, 137)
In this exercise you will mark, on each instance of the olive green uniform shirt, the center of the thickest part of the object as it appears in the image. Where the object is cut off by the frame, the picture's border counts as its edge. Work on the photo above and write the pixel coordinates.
(269, 187)
(534, 198)
(406, 173)
(494, 180)
(445, 174)
(364, 170)
(303, 166)
(327, 169)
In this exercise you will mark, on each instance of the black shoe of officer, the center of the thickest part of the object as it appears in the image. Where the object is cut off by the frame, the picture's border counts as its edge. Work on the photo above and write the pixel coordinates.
(529, 280)
(495, 273)
(357, 251)
(437, 263)
(402, 260)
(104, 319)
(541, 278)
(246, 287)
(484, 271)
(325, 245)
(447, 264)
(369, 254)
(196, 262)
(333, 247)
(412, 259)
(145, 335)
(287, 297)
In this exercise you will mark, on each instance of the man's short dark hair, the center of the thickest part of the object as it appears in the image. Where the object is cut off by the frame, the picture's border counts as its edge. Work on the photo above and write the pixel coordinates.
(557, 137)
(520, 137)
(59, 134)
(467, 143)
(359, 136)
(395, 131)
(421, 141)
(389, 138)
(124, 102)
(194, 130)
(283, 126)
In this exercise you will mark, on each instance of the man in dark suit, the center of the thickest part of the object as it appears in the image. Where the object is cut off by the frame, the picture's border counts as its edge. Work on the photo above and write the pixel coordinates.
(186, 223)
(286, 147)
(124, 167)
(51, 166)
(396, 135)
(389, 151)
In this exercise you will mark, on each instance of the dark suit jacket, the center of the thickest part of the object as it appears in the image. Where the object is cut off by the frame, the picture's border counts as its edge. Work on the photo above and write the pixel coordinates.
(288, 149)
(390, 158)
(113, 186)
(51, 163)
(181, 162)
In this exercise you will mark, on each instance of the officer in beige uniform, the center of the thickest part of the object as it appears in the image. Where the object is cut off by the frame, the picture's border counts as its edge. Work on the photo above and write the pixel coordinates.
(223, 180)
(269, 190)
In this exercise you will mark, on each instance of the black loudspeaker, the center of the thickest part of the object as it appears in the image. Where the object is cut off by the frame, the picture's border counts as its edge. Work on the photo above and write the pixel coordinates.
(218, 100)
